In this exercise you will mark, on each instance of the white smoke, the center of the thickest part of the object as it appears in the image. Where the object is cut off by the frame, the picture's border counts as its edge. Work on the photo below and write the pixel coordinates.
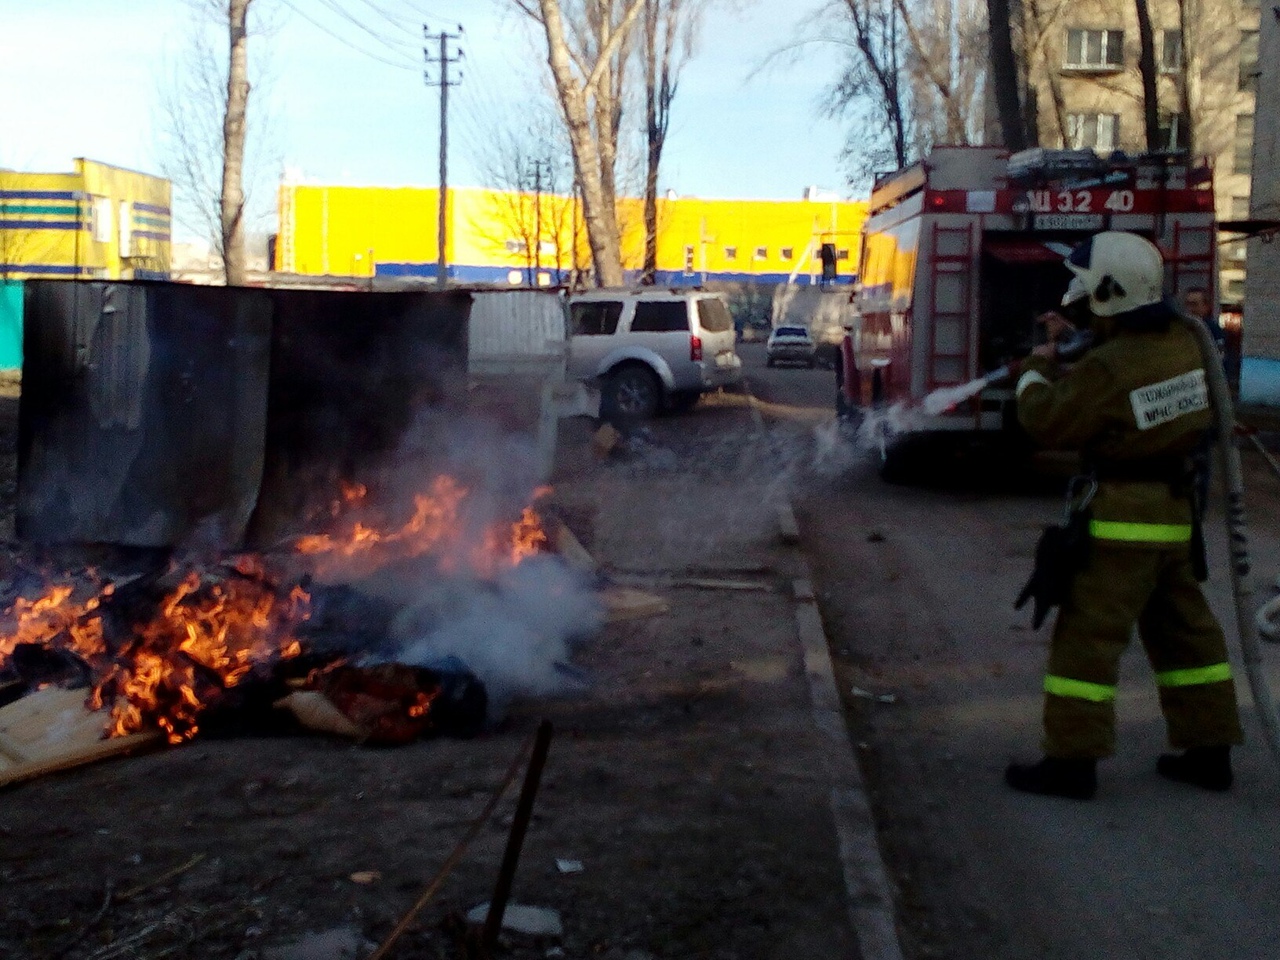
(515, 634)
(511, 626)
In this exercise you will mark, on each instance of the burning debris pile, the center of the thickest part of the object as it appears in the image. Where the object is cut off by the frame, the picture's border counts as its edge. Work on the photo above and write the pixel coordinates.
(357, 614)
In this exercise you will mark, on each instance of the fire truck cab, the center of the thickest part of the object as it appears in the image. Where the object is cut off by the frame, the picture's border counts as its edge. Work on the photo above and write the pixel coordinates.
(963, 249)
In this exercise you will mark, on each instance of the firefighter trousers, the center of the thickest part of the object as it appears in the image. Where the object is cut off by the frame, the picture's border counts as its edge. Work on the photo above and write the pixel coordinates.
(1154, 587)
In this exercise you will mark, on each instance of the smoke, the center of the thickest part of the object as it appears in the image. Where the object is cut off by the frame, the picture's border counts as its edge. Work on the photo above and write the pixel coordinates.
(513, 626)
(514, 633)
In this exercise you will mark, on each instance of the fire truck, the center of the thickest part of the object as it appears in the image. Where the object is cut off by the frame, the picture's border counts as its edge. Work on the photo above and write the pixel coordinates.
(963, 249)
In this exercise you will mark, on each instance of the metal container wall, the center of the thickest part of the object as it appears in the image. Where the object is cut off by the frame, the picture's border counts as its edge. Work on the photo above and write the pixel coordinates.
(143, 412)
(512, 328)
(349, 372)
(167, 415)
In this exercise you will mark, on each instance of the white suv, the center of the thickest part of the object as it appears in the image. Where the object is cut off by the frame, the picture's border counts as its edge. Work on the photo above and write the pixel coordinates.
(650, 349)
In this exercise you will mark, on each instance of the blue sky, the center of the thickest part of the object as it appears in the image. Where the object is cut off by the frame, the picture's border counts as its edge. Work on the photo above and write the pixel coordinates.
(81, 78)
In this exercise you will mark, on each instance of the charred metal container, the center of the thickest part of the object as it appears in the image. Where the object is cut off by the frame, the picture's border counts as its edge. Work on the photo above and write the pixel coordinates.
(168, 415)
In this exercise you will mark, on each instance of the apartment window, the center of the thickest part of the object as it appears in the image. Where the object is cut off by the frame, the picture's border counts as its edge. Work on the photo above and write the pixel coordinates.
(788, 253)
(842, 254)
(1173, 132)
(517, 246)
(731, 253)
(1249, 60)
(1096, 131)
(1242, 156)
(1170, 51)
(688, 261)
(1095, 49)
(762, 253)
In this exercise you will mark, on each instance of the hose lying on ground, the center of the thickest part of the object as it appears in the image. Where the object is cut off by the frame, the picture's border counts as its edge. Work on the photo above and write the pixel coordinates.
(1241, 582)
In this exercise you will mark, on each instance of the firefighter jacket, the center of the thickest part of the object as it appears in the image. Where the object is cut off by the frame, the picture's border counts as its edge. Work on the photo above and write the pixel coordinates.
(1135, 406)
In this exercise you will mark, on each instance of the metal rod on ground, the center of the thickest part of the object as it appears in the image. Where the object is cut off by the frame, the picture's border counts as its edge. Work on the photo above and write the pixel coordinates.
(452, 860)
(515, 841)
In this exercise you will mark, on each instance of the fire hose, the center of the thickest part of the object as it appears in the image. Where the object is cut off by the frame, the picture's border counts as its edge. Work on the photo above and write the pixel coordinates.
(1238, 544)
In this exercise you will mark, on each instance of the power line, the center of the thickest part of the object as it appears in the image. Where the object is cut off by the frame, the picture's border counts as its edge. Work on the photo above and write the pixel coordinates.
(401, 65)
(403, 21)
(396, 46)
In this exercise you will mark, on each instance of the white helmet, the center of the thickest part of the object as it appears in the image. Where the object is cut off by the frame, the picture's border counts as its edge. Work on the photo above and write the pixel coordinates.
(1120, 271)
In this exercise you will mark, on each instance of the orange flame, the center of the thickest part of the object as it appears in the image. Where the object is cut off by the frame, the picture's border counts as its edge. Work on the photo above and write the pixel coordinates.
(438, 526)
(209, 633)
(202, 641)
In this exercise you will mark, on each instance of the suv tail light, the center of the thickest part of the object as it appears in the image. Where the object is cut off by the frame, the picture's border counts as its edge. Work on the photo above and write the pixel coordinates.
(695, 348)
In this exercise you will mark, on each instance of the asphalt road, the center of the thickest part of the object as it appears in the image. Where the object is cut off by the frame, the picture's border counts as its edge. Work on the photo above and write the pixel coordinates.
(942, 678)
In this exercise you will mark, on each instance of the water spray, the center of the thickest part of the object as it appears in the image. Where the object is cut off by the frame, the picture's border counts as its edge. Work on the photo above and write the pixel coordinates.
(1067, 350)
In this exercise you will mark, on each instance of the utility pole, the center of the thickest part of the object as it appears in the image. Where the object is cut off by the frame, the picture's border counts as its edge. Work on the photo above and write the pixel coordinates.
(538, 167)
(443, 59)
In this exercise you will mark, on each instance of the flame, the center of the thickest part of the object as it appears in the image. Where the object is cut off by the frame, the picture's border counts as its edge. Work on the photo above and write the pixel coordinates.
(219, 624)
(202, 641)
(440, 525)
(53, 614)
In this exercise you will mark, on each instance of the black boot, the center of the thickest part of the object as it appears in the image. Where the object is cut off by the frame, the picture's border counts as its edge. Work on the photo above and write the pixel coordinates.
(1055, 776)
(1206, 767)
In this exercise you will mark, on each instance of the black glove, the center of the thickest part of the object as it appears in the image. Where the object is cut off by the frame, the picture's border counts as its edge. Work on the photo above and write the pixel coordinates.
(1061, 553)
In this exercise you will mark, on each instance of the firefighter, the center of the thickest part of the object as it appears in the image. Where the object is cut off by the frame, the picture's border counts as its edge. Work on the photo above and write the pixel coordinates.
(1135, 406)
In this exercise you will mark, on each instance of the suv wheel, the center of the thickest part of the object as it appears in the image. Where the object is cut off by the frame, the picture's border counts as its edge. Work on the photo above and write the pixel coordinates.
(631, 393)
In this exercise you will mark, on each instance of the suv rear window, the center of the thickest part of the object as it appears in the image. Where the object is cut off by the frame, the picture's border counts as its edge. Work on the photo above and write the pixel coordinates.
(792, 331)
(713, 316)
(660, 316)
(595, 317)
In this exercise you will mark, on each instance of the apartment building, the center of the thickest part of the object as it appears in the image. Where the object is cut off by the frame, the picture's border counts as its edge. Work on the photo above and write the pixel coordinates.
(1085, 88)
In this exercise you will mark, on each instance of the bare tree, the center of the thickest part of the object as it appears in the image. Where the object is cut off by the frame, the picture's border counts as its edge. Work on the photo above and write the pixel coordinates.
(532, 209)
(1006, 74)
(1147, 70)
(588, 46)
(233, 139)
(670, 27)
(212, 141)
(869, 90)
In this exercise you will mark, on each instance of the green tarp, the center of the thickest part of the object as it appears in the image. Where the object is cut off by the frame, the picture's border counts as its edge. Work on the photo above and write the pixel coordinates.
(10, 325)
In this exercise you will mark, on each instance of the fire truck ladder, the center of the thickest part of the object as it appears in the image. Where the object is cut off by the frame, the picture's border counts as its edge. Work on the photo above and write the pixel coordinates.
(950, 297)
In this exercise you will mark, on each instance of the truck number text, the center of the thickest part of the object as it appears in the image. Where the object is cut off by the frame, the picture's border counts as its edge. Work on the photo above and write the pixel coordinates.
(1080, 201)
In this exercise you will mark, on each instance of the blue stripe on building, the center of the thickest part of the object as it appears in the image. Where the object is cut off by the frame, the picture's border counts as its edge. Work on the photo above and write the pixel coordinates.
(40, 224)
(53, 269)
(152, 208)
(466, 273)
(41, 195)
(151, 234)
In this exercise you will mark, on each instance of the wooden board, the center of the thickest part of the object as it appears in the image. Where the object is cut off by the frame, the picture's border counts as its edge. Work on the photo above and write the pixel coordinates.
(571, 550)
(53, 730)
(627, 603)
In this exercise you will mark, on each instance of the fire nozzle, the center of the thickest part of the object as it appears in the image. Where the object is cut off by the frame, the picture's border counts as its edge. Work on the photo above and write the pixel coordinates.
(1067, 350)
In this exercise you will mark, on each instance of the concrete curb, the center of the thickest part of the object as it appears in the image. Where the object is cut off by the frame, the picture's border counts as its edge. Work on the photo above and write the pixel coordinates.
(870, 895)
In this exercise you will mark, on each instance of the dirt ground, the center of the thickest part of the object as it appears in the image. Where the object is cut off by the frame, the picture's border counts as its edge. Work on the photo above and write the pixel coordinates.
(684, 779)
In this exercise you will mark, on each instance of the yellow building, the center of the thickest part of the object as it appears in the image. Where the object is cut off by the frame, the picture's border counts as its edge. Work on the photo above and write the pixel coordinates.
(98, 221)
(515, 238)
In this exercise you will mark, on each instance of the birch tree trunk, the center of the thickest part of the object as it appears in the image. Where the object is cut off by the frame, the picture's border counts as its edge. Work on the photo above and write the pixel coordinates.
(586, 87)
(233, 138)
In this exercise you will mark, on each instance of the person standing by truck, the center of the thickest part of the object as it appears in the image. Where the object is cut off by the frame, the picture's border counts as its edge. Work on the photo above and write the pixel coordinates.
(1135, 406)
